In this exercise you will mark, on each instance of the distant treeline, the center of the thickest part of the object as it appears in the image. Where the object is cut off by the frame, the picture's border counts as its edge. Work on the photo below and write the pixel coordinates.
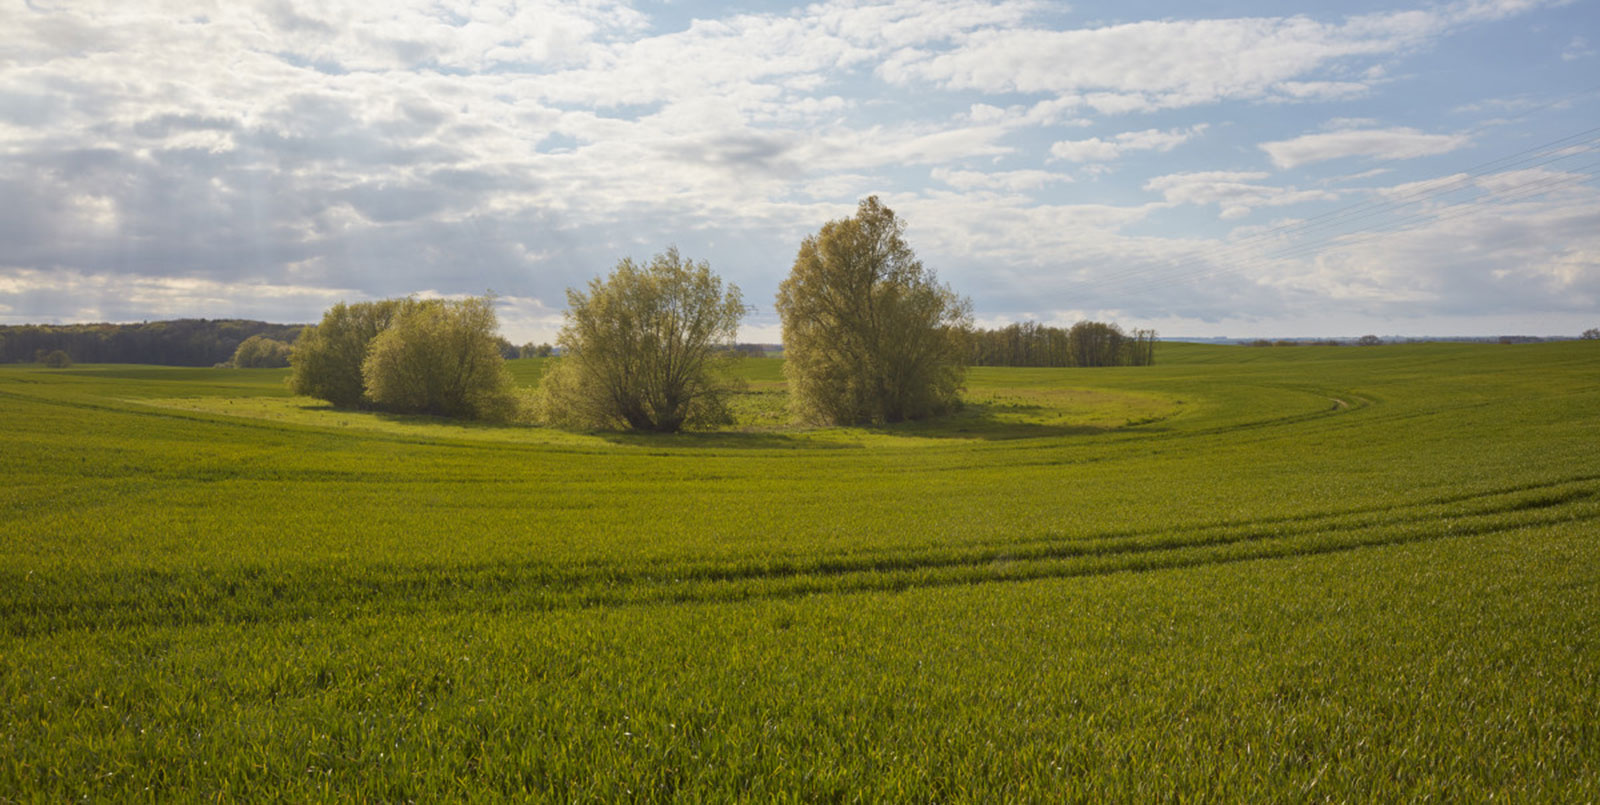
(1087, 343)
(182, 342)
(1363, 341)
(210, 342)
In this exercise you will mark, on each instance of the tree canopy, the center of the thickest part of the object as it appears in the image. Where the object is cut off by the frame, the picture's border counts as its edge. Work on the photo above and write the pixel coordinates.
(260, 352)
(869, 334)
(440, 357)
(419, 356)
(178, 342)
(1035, 344)
(327, 358)
(643, 349)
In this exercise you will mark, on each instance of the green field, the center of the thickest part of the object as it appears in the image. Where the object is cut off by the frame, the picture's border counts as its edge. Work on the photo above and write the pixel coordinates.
(1346, 574)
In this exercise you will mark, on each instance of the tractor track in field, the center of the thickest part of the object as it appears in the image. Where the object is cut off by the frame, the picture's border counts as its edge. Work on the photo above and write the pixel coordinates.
(47, 603)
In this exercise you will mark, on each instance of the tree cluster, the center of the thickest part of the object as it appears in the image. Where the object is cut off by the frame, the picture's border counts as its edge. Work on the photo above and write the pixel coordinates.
(1087, 343)
(181, 342)
(870, 336)
(414, 356)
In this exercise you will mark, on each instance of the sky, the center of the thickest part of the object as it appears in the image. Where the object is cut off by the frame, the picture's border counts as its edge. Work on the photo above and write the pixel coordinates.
(1206, 168)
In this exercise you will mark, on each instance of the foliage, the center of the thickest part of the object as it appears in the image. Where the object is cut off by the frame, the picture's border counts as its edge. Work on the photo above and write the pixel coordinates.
(1093, 343)
(1331, 574)
(1034, 344)
(532, 350)
(181, 342)
(643, 349)
(1369, 341)
(260, 352)
(327, 359)
(440, 357)
(1591, 334)
(55, 359)
(869, 335)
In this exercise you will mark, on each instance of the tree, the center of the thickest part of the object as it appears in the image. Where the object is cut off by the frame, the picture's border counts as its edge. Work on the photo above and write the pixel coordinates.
(260, 352)
(869, 335)
(56, 359)
(1094, 343)
(440, 357)
(327, 358)
(1591, 334)
(1369, 341)
(646, 349)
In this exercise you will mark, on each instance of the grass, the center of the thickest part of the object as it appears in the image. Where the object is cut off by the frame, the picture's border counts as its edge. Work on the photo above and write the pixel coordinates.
(1318, 573)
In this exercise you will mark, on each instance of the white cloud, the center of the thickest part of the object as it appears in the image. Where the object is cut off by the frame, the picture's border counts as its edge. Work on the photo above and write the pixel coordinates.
(1391, 143)
(1577, 48)
(1171, 63)
(1012, 181)
(381, 149)
(1235, 193)
(1095, 149)
(1321, 90)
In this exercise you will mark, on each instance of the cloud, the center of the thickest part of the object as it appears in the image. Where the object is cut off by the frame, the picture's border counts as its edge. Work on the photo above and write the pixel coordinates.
(1011, 181)
(1095, 149)
(374, 150)
(1390, 143)
(1577, 48)
(93, 297)
(1171, 63)
(1235, 193)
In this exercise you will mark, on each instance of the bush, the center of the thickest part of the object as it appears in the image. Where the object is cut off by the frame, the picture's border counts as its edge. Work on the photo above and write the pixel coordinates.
(260, 352)
(442, 358)
(56, 359)
(645, 349)
(327, 358)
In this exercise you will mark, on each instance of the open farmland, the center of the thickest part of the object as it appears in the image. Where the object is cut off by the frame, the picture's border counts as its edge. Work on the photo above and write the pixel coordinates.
(1282, 574)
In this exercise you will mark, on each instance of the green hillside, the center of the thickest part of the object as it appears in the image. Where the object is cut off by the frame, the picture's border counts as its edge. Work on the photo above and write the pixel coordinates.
(1271, 574)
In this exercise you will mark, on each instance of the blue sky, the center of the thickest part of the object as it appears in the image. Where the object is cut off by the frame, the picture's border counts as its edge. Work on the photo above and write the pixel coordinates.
(1204, 168)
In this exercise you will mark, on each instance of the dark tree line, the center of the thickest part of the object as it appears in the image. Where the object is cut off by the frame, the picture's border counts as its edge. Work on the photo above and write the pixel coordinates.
(1087, 343)
(182, 342)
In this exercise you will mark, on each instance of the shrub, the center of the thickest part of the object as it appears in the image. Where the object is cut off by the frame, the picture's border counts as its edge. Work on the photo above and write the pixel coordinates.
(645, 349)
(440, 357)
(260, 352)
(327, 358)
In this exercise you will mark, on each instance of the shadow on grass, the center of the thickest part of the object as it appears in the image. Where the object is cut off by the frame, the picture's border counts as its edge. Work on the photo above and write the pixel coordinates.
(989, 422)
(976, 421)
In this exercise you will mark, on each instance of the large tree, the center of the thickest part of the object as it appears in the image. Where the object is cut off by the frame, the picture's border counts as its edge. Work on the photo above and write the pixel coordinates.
(644, 349)
(869, 335)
